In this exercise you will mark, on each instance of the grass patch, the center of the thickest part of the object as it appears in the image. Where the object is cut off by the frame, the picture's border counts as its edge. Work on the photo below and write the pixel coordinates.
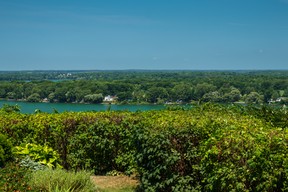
(49, 180)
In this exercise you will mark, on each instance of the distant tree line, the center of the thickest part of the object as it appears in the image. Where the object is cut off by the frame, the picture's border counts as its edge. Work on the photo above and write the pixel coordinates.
(149, 86)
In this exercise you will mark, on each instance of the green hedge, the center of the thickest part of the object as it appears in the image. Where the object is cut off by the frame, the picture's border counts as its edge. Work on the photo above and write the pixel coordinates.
(206, 148)
(5, 150)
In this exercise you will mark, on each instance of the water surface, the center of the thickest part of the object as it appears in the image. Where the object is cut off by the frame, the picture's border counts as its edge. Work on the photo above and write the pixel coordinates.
(27, 107)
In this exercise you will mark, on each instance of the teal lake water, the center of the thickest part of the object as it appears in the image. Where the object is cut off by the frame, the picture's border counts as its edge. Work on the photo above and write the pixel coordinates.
(61, 107)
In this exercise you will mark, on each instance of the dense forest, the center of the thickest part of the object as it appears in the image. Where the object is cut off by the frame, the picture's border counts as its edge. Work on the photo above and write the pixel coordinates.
(146, 86)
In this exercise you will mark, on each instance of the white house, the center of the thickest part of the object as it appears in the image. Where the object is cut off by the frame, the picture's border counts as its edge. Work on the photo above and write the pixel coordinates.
(109, 98)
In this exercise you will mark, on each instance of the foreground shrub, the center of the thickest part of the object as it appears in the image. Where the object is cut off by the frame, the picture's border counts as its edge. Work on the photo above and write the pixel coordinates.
(104, 145)
(167, 151)
(49, 180)
(245, 158)
(28, 163)
(274, 116)
(207, 148)
(211, 152)
(43, 154)
(14, 178)
(5, 150)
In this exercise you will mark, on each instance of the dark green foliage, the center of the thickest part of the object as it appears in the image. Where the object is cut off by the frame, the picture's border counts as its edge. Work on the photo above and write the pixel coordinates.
(103, 144)
(5, 150)
(205, 148)
(147, 86)
(275, 116)
(14, 126)
(10, 108)
(245, 157)
(94, 98)
(168, 151)
(34, 97)
(168, 162)
(14, 178)
(214, 153)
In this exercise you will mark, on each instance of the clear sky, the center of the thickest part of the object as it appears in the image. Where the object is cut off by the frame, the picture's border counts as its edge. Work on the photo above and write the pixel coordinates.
(143, 34)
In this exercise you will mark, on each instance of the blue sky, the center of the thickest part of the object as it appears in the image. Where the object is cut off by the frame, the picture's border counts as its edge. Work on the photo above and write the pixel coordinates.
(143, 34)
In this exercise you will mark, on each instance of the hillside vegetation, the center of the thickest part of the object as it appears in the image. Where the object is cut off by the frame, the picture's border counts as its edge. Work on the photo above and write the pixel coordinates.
(206, 148)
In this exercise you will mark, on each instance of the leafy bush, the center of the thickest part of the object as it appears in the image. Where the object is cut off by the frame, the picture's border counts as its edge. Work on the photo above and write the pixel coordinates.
(211, 152)
(5, 150)
(14, 178)
(10, 108)
(60, 180)
(275, 117)
(206, 148)
(109, 145)
(167, 151)
(42, 154)
(34, 97)
(14, 126)
(28, 163)
(94, 98)
(246, 156)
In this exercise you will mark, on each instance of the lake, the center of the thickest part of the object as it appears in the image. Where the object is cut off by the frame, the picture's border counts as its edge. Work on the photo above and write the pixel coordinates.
(27, 107)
